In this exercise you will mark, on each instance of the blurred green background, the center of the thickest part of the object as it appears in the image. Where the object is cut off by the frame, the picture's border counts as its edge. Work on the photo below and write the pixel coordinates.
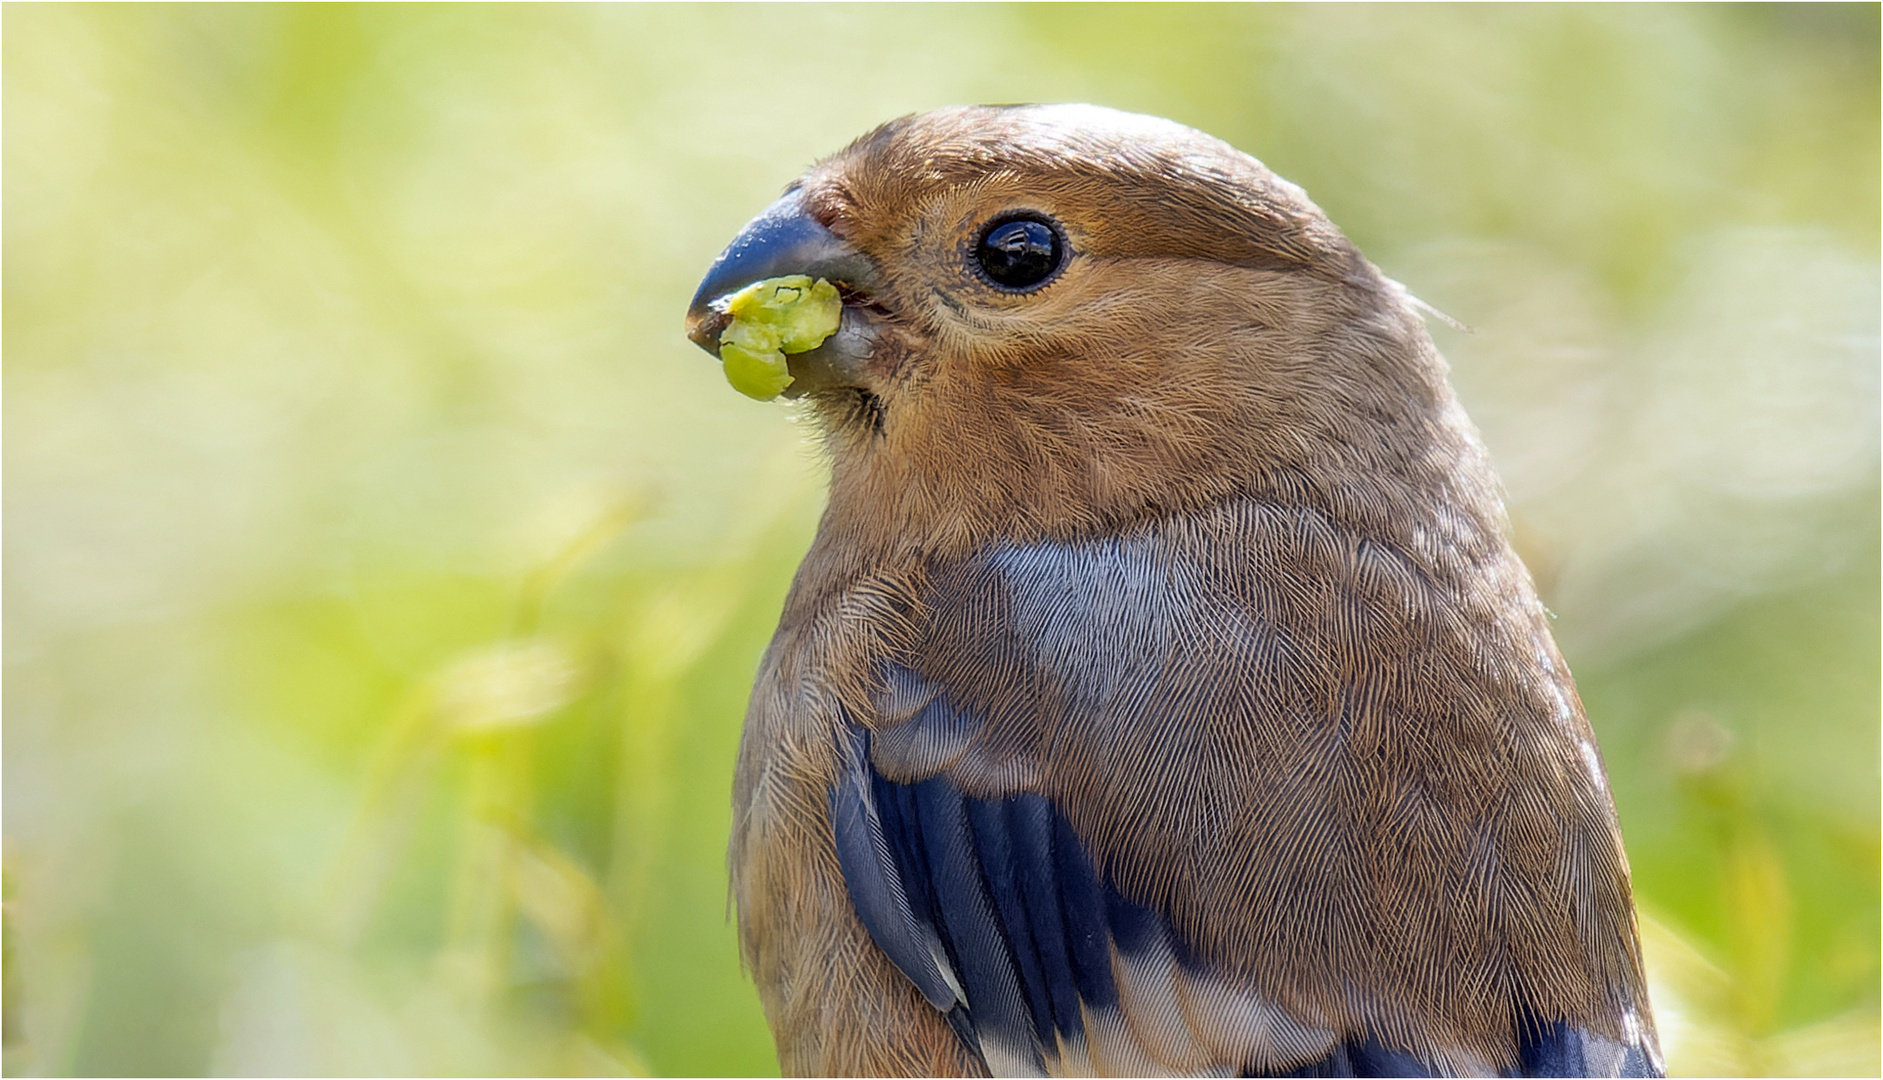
(385, 574)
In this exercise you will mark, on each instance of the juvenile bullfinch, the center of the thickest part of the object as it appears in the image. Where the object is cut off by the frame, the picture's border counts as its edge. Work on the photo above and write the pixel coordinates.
(1161, 693)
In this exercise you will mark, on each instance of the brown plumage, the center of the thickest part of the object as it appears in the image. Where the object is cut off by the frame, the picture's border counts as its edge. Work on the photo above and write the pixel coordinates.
(1176, 588)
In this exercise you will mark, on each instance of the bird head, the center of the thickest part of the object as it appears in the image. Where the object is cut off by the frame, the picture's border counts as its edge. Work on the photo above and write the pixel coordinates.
(1057, 318)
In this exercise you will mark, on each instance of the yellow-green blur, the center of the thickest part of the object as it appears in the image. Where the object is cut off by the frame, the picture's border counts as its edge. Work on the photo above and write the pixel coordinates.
(385, 572)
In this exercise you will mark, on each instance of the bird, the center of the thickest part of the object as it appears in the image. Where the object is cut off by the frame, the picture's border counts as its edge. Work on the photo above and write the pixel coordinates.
(1161, 693)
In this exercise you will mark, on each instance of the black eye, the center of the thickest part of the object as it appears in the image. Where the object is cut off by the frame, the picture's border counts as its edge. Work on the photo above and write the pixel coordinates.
(1020, 253)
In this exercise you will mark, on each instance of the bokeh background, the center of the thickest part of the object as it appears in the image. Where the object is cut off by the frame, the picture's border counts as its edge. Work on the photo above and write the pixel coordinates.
(385, 574)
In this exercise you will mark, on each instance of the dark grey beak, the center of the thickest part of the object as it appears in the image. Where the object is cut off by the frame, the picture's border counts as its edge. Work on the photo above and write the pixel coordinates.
(782, 240)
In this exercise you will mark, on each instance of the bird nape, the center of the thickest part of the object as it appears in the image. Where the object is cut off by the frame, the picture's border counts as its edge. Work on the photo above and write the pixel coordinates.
(1161, 693)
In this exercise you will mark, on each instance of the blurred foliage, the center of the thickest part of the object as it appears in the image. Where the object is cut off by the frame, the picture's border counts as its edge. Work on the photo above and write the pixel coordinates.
(385, 574)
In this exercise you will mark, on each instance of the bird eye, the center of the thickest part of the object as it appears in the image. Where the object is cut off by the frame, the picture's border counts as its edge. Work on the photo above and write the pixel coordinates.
(1020, 252)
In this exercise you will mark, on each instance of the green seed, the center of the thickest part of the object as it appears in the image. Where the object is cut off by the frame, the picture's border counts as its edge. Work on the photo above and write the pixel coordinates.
(769, 319)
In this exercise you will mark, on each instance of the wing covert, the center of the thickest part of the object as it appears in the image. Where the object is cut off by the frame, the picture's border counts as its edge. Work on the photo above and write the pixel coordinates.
(1048, 967)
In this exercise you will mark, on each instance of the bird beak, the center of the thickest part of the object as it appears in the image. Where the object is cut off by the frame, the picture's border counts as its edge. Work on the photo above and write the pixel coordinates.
(787, 240)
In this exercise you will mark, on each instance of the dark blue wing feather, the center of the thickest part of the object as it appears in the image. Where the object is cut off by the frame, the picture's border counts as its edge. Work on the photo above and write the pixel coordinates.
(1556, 1049)
(1364, 1057)
(881, 875)
(1002, 887)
